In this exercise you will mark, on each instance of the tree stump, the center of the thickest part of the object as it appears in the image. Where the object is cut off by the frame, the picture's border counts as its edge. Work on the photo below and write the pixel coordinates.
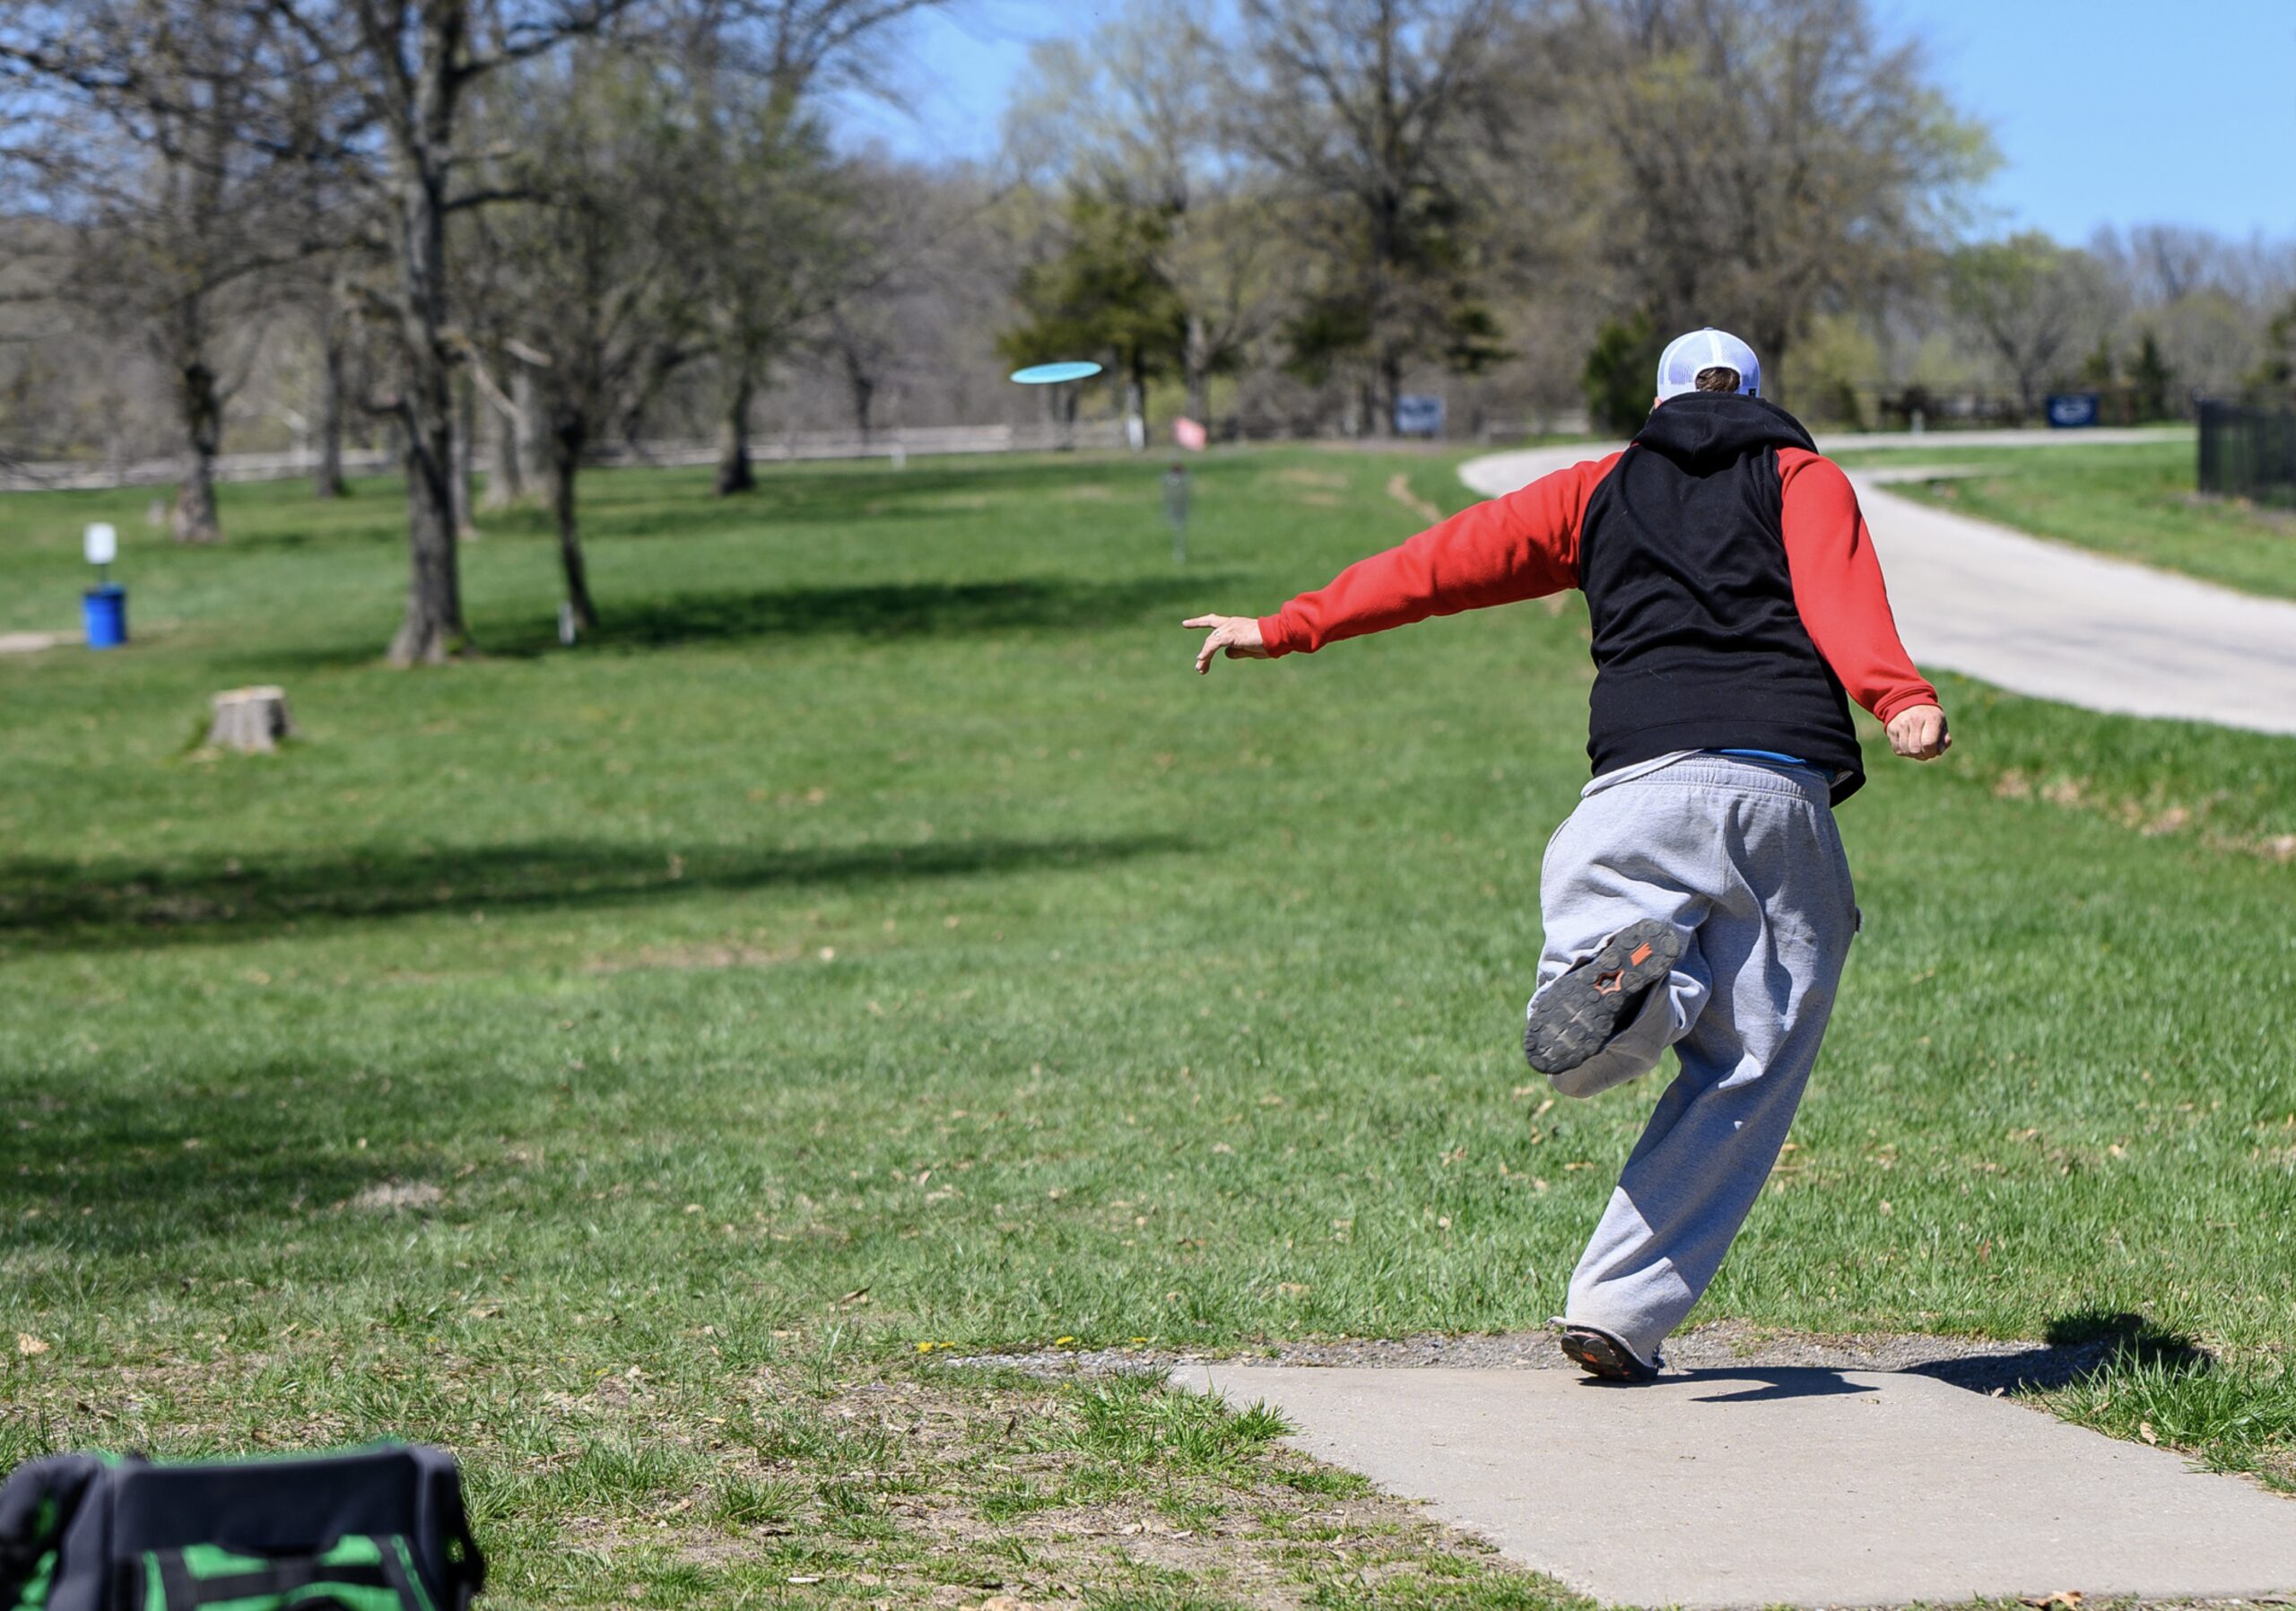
(251, 721)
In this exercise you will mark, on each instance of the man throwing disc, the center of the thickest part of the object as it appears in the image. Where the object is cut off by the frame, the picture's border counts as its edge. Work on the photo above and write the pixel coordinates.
(1698, 897)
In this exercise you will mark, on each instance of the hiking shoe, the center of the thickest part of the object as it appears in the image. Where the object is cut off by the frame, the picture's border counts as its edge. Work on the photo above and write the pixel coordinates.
(1599, 1353)
(1575, 1017)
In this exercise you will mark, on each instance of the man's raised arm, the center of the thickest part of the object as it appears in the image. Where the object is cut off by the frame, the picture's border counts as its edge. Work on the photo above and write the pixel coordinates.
(1523, 546)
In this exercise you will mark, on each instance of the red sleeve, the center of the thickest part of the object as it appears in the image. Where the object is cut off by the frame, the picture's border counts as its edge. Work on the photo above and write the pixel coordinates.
(1523, 546)
(1838, 586)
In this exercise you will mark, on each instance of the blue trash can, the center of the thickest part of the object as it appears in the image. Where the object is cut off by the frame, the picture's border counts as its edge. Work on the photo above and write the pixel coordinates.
(104, 613)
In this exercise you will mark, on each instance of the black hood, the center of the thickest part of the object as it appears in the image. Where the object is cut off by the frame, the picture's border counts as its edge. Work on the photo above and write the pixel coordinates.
(1705, 430)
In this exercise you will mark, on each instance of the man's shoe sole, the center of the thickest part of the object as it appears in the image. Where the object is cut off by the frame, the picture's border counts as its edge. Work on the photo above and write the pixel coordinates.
(1599, 1353)
(1574, 1018)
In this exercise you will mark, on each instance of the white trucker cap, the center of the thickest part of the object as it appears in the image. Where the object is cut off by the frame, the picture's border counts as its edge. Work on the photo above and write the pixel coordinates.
(1707, 349)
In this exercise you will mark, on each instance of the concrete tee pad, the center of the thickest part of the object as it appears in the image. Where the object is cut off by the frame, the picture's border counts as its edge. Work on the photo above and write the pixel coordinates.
(1763, 1485)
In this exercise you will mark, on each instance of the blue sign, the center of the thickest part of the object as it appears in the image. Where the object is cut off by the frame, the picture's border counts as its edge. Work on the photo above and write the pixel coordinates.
(1417, 414)
(2072, 411)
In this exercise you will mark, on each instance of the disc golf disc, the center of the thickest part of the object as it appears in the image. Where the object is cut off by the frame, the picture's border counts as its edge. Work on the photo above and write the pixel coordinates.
(1052, 374)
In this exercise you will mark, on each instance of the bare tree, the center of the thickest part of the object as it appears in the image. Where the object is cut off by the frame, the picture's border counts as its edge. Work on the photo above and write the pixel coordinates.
(408, 67)
(599, 294)
(174, 209)
(1381, 116)
(2033, 304)
(757, 226)
(759, 222)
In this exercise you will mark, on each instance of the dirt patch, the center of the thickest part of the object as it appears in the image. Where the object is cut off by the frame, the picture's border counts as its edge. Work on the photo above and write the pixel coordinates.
(999, 1496)
(2152, 819)
(699, 958)
(32, 643)
(396, 1197)
(1399, 489)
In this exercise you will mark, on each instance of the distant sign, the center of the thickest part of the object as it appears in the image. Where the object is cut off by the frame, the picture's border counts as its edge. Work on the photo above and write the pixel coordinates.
(1419, 415)
(2072, 411)
(100, 542)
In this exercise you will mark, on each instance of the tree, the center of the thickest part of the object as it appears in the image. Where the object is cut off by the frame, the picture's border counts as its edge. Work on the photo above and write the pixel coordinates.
(1752, 162)
(1131, 120)
(760, 222)
(2150, 381)
(2276, 371)
(1620, 373)
(597, 296)
(1381, 118)
(1102, 294)
(758, 230)
(174, 207)
(330, 318)
(2031, 303)
(406, 67)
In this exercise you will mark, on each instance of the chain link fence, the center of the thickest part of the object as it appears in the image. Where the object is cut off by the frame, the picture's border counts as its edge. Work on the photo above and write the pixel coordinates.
(2248, 450)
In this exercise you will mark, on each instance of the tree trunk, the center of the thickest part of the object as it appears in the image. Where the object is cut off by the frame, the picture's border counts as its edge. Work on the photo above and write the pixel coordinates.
(466, 460)
(733, 471)
(1196, 363)
(193, 518)
(864, 387)
(433, 628)
(565, 463)
(326, 478)
(1390, 392)
(526, 431)
(1136, 407)
(506, 470)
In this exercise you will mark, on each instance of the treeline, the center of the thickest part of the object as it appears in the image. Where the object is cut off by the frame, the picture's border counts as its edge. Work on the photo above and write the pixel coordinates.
(498, 235)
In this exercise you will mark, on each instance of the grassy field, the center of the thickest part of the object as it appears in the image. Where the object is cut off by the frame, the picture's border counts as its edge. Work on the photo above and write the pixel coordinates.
(2137, 502)
(635, 1066)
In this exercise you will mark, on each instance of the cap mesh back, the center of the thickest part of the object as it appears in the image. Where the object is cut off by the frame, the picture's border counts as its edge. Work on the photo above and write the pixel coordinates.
(1686, 355)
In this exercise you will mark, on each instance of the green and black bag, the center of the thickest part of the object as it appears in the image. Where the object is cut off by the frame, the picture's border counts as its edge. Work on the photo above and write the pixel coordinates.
(379, 1528)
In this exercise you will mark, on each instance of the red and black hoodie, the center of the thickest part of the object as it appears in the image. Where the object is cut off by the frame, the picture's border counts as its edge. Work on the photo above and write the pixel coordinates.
(1736, 599)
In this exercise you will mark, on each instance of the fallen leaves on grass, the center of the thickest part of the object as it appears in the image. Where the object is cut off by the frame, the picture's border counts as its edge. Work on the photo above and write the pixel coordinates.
(2070, 1599)
(27, 1345)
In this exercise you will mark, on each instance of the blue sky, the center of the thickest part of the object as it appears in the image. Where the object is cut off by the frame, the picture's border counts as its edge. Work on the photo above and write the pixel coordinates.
(2106, 111)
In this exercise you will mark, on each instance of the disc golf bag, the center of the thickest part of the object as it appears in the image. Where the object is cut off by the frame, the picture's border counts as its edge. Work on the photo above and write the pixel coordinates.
(376, 1529)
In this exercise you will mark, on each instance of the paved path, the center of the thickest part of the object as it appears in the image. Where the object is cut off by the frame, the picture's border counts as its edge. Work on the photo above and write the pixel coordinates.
(1751, 1486)
(2045, 619)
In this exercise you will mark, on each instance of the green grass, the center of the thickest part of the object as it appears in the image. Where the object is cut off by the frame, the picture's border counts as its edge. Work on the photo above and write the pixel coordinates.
(2134, 503)
(616, 1063)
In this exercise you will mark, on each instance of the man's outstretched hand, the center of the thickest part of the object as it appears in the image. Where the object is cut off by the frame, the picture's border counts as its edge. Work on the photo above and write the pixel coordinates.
(1918, 733)
(1234, 636)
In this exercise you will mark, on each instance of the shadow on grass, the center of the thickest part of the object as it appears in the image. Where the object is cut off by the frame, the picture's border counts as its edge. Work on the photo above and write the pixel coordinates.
(810, 493)
(2076, 1347)
(879, 610)
(874, 610)
(50, 905)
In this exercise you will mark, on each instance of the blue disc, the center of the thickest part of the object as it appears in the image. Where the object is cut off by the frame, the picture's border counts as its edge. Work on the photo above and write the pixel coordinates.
(1049, 374)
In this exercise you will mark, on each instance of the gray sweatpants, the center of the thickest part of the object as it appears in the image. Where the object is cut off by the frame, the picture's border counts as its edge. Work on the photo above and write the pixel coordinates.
(1744, 859)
